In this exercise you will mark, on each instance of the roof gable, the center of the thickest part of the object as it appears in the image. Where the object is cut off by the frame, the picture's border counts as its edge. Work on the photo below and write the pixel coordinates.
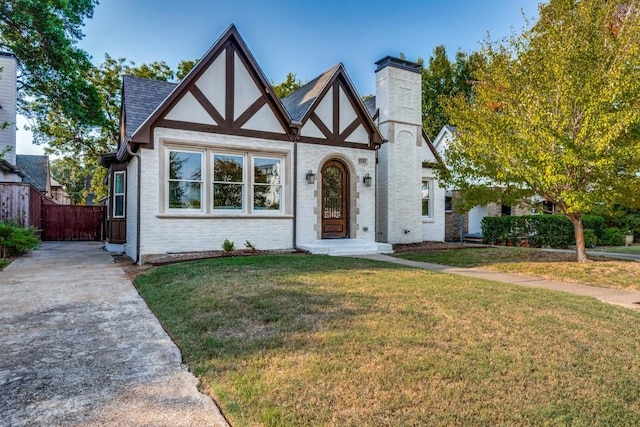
(331, 112)
(226, 92)
(35, 169)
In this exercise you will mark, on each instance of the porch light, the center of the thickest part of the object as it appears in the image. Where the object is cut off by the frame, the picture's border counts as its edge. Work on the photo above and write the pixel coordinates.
(367, 180)
(311, 177)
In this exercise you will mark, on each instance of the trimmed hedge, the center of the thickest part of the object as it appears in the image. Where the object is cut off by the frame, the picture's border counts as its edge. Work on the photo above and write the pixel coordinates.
(538, 230)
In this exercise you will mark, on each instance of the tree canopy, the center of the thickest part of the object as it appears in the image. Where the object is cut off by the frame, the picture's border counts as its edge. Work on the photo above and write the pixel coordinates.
(288, 86)
(555, 113)
(442, 77)
(51, 68)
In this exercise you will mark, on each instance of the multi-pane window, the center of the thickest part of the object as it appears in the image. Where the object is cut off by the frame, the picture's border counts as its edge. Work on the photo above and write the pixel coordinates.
(267, 183)
(185, 180)
(118, 194)
(228, 182)
(426, 198)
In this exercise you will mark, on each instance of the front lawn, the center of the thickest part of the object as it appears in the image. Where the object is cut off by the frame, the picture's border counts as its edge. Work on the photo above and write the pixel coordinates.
(311, 340)
(606, 273)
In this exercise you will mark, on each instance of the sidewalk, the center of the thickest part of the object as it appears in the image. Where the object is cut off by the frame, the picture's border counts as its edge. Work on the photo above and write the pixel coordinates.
(612, 296)
(78, 346)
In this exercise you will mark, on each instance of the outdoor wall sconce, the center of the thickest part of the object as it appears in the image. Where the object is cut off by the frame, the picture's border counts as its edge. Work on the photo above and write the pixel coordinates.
(367, 180)
(311, 177)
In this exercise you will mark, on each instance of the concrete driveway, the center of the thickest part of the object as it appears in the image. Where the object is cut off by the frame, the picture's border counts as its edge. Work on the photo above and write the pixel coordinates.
(78, 346)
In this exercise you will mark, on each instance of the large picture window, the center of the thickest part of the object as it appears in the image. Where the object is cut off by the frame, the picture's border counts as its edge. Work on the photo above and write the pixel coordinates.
(228, 182)
(267, 184)
(118, 194)
(185, 180)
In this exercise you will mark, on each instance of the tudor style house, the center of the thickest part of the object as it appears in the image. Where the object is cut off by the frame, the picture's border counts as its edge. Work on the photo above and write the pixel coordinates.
(218, 156)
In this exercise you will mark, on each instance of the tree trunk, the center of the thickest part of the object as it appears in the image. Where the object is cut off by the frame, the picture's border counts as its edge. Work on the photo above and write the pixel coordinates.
(581, 252)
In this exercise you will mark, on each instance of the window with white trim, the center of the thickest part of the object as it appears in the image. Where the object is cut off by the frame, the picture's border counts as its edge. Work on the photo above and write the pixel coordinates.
(267, 184)
(427, 199)
(185, 180)
(118, 194)
(228, 182)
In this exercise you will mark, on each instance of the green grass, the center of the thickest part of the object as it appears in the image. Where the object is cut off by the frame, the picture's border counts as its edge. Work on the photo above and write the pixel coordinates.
(606, 273)
(310, 340)
(3, 264)
(635, 249)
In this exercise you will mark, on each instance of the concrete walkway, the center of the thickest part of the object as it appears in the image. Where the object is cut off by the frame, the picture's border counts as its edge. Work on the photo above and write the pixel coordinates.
(612, 296)
(78, 346)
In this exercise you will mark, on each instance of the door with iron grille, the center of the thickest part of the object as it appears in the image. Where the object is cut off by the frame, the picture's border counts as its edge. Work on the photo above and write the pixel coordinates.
(335, 200)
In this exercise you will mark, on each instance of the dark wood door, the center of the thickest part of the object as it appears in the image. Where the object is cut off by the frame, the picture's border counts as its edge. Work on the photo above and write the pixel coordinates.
(335, 200)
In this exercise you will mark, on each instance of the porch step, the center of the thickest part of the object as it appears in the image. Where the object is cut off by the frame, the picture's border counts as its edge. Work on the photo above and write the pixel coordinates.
(345, 247)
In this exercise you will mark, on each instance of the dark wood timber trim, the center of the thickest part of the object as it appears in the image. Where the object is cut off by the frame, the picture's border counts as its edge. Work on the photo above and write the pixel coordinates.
(336, 108)
(230, 85)
(320, 124)
(250, 112)
(200, 127)
(336, 143)
(206, 104)
(349, 129)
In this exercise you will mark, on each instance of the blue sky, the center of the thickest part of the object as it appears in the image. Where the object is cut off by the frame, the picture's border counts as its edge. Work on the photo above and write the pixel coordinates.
(304, 37)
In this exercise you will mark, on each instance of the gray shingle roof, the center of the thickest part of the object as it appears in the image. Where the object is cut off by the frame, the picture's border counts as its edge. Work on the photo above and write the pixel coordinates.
(370, 104)
(298, 103)
(141, 98)
(35, 169)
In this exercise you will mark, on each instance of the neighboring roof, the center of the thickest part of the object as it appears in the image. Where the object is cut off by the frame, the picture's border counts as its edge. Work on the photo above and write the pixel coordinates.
(451, 129)
(299, 102)
(35, 169)
(370, 103)
(6, 166)
(141, 97)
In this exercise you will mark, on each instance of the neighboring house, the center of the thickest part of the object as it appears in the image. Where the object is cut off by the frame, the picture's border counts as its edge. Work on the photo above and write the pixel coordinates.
(472, 221)
(36, 171)
(218, 156)
(59, 194)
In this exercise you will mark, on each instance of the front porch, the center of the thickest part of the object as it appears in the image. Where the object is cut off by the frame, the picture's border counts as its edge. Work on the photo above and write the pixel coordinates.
(344, 247)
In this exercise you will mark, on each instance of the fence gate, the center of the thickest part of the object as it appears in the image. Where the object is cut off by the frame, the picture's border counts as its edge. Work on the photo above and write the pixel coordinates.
(68, 222)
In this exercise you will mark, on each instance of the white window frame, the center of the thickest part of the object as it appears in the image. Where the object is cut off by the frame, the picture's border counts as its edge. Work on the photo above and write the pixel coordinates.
(168, 180)
(210, 179)
(122, 194)
(429, 183)
(280, 159)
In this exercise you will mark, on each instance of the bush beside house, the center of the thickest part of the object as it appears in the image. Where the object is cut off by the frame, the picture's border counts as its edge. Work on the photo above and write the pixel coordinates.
(16, 240)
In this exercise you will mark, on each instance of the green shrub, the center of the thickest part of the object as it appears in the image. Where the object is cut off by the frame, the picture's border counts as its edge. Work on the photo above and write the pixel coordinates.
(633, 225)
(595, 223)
(16, 240)
(590, 238)
(228, 246)
(612, 237)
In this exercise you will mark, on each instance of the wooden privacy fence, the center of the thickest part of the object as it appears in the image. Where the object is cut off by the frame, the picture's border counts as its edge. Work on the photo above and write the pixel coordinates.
(21, 203)
(68, 222)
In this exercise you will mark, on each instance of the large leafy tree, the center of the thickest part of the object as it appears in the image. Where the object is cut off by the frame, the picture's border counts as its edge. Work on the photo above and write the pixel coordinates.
(556, 113)
(51, 68)
(443, 77)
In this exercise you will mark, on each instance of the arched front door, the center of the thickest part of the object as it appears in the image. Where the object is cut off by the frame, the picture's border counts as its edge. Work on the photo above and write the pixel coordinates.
(335, 200)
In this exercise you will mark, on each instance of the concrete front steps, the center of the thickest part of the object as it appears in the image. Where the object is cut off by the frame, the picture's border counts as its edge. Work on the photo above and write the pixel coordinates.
(345, 247)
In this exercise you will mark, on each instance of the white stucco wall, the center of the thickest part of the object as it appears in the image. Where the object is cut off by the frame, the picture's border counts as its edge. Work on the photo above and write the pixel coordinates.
(131, 209)
(360, 162)
(162, 232)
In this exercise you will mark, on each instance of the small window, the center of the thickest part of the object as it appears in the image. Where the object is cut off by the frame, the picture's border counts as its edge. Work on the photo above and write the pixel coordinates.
(267, 184)
(185, 180)
(448, 201)
(426, 199)
(505, 210)
(118, 194)
(228, 182)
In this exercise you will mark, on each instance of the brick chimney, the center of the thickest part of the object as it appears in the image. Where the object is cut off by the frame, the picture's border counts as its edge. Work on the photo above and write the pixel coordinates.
(399, 99)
